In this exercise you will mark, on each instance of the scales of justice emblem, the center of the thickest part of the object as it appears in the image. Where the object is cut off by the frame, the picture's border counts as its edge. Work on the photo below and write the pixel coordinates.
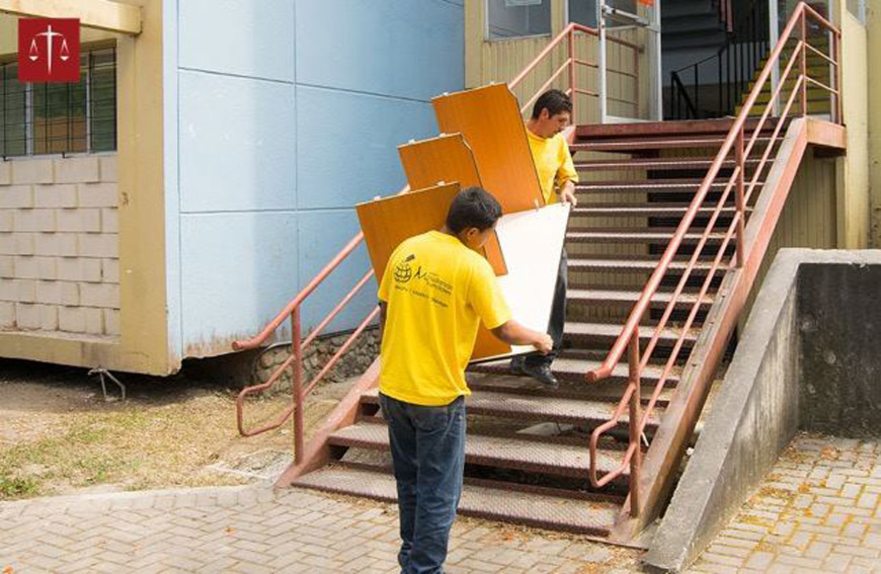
(49, 50)
(34, 53)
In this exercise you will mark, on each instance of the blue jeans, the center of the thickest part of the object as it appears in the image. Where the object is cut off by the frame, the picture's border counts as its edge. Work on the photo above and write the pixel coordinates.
(428, 451)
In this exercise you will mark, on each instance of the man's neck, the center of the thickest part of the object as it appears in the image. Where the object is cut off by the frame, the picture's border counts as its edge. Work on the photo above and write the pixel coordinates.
(532, 126)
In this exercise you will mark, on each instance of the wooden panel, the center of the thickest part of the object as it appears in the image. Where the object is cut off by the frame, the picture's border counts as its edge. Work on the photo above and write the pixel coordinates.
(389, 221)
(447, 159)
(531, 282)
(529, 289)
(490, 121)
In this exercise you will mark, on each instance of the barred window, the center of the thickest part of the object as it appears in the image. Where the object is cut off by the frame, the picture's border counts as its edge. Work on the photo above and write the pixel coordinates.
(42, 119)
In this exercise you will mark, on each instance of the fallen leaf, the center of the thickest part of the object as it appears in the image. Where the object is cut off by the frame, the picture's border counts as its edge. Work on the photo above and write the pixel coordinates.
(8, 570)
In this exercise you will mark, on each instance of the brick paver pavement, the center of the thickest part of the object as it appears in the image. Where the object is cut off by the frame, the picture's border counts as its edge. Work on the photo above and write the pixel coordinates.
(818, 512)
(253, 530)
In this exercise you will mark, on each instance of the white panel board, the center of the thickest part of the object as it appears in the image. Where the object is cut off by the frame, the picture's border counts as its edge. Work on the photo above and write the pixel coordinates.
(532, 244)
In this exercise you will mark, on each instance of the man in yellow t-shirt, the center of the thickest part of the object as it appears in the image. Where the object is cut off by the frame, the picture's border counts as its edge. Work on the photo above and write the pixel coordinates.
(434, 293)
(556, 174)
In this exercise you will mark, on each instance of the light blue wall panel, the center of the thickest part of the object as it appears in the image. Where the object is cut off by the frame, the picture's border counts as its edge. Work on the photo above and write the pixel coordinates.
(243, 37)
(267, 170)
(405, 48)
(347, 145)
(239, 271)
(237, 143)
(171, 154)
(322, 235)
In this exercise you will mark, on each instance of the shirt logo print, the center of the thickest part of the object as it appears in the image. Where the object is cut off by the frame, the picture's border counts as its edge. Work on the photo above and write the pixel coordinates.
(403, 271)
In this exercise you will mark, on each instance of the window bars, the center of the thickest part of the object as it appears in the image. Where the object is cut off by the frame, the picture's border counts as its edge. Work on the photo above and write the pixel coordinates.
(39, 119)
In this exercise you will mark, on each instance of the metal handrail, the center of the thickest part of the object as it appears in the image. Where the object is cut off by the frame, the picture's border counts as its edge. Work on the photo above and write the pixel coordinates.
(293, 309)
(745, 46)
(736, 141)
(571, 63)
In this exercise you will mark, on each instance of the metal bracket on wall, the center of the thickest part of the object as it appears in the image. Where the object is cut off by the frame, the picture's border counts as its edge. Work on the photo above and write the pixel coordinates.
(102, 372)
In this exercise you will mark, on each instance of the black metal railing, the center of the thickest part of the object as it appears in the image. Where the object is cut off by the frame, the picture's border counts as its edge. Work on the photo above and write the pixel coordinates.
(731, 68)
(38, 119)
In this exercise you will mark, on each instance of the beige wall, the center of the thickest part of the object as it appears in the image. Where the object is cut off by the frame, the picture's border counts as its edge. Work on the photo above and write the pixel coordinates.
(9, 34)
(142, 344)
(873, 76)
(501, 60)
(853, 201)
(59, 253)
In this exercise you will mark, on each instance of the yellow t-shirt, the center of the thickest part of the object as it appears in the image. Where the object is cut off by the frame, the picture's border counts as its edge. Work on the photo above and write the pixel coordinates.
(553, 162)
(438, 291)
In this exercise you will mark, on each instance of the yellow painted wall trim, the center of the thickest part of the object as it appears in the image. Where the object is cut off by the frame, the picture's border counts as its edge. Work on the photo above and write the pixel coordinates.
(101, 14)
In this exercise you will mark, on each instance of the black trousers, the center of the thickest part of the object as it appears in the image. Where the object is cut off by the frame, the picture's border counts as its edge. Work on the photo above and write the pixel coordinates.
(558, 316)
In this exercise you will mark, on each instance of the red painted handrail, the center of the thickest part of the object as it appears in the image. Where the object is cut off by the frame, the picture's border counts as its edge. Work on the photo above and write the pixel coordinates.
(735, 141)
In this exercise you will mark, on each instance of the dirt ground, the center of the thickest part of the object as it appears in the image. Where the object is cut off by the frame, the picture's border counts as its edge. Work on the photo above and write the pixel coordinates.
(58, 435)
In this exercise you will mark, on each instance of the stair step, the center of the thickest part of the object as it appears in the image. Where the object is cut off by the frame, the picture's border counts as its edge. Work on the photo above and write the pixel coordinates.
(542, 508)
(634, 144)
(639, 265)
(644, 210)
(609, 390)
(814, 95)
(635, 235)
(545, 408)
(568, 368)
(815, 107)
(674, 163)
(616, 297)
(515, 452)
(719, 126)
(649, 186)
(609, 332)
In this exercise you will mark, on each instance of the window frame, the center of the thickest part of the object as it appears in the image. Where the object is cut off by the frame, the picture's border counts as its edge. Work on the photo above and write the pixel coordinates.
(486, 27)
(85, 49)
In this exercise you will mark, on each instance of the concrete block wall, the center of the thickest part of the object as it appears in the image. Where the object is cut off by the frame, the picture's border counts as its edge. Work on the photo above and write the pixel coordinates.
(59, 248)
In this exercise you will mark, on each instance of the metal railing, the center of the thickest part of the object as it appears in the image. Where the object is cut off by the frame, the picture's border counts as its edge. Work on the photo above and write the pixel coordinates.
(293, 311)
(734, 64)
(571, 65)
(742, 145)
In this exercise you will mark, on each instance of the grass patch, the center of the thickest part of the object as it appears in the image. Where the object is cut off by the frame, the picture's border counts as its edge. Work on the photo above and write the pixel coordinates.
(12, 487)
(143, 443)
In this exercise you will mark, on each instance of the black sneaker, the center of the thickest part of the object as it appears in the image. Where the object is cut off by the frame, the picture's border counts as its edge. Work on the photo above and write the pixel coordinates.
(516, 366)
(542, 373)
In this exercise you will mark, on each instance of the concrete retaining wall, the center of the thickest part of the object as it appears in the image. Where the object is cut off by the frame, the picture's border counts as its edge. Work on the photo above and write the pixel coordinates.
(807, 359)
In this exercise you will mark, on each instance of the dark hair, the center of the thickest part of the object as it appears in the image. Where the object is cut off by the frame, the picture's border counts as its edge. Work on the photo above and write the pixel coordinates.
(554, 101)
(473, 207)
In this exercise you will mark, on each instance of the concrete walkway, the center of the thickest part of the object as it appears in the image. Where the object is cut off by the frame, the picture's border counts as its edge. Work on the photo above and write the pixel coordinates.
(254, 530)
(818, 512)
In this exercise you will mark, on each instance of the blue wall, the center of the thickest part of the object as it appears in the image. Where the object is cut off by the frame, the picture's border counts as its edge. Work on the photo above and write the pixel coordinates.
(288, 112)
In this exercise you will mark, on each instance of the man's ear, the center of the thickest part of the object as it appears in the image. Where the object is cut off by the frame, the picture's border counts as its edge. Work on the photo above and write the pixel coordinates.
(469, 235)
(544, 114)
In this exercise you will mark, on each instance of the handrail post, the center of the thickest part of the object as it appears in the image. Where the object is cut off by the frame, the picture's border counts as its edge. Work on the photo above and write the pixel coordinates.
(572, 73)
(297, 386)
(740, 202)
(635, 420)
(839, 102)
(804, 63)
